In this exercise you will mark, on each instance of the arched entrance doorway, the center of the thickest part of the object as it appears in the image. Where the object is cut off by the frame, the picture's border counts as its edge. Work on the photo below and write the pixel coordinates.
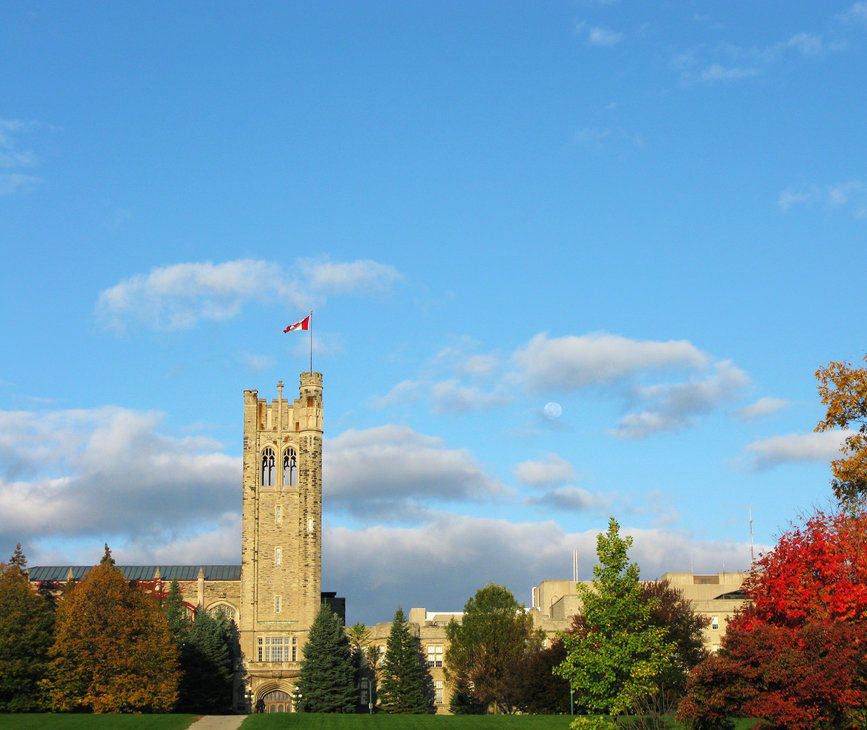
(277, 701)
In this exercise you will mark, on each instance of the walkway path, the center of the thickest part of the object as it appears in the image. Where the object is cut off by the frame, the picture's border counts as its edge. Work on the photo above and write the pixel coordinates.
(218, 722)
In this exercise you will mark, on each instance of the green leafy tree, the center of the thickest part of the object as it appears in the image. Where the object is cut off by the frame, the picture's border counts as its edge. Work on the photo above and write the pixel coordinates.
(617, 656)
(407, 686)
(327, 680)
(487, 648)
(176, 613)
(207, 666)
(26, 634)
(540, 691)
(113, 651)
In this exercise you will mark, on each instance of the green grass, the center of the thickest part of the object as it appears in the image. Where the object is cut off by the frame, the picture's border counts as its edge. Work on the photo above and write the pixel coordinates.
(406, 722)
(420, 722)
(47, 721)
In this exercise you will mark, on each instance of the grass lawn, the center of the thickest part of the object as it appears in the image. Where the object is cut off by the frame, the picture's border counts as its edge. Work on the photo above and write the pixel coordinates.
(47, 721)
(422, 722)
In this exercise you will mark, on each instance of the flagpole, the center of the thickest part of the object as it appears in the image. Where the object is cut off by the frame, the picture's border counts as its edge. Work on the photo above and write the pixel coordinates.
(311, 342)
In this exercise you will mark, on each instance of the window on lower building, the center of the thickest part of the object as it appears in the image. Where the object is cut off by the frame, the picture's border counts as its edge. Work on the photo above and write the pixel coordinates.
(363, 692)
(435, 656)
(276, 649)
(714, 623)
(438, 692)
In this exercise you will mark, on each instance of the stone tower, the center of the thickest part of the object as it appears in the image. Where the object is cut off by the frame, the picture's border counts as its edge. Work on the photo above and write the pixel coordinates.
(281, 543)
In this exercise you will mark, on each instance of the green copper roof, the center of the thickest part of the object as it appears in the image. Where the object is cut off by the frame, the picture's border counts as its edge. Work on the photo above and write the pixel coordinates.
(59, 573)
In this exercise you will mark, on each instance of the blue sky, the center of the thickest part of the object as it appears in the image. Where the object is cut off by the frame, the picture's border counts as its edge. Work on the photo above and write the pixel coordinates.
(651, 216)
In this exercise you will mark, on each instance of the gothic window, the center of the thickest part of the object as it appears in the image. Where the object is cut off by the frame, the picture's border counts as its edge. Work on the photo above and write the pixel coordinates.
(222, 610)
(290, 468)
(268, 468)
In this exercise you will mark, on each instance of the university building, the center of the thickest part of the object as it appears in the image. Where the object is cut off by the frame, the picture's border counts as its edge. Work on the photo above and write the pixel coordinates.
(275, 593)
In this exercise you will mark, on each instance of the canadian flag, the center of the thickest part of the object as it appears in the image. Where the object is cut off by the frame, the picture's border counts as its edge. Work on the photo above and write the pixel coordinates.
(304, 324)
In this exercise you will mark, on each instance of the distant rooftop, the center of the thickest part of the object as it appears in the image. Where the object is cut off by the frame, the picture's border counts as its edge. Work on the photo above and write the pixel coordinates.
(59, 573)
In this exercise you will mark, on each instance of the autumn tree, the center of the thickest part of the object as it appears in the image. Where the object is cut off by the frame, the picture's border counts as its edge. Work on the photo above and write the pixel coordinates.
(113, 651)
(618, 656)
(207, 671)
(26, 626)
(843, 390)
(406, 685)
(486, 649)
(327, 681)
(796, 656)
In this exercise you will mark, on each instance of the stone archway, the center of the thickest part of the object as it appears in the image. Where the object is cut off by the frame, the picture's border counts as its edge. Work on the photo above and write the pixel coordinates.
(276, 700)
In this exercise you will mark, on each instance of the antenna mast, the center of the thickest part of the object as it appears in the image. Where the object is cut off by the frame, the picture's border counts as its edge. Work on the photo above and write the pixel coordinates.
(575, 565)
(752, 547)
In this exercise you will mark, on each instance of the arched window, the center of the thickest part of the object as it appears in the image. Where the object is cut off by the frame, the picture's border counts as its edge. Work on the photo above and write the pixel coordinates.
(290, 468)
(276, 701)
(268, 468)
(222, 610)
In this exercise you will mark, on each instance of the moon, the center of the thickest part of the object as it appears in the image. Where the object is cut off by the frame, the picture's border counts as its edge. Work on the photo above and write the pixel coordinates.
(553, 410)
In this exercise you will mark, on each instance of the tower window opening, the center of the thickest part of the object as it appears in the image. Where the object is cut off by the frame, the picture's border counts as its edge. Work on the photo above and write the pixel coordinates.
(278, 556)
(268, 468)
(290, 468)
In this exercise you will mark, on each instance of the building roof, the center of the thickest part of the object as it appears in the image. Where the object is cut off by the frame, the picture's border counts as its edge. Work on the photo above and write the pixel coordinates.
(60, 573)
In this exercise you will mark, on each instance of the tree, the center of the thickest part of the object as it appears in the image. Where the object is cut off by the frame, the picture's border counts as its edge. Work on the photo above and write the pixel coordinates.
(797, 655)
(843, 389)
(327, 681)
(617, 657)
(206, 663)
(540, 691)
(406, 686)
(113, 651)
(365, 657)
(26, 633)
(176, 613)
(487, 648)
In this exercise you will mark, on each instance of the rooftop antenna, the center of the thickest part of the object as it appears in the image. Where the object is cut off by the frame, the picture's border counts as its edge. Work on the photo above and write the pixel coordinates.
(575, 565)
(752, 546)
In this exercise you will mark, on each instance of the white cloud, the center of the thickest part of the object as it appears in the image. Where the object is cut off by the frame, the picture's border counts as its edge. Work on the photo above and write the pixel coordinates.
(256, 363)
(570, 499)
(181, 295)
(14, 158)
(822, 446)
(570, 362)
(480, 366)
(672, 405)
(601, 36)
(449, 396)
(440, 564)
(400, 471)
(107, 471)
(855, 13)
(406, 391)
(718, 72)
(850, 195)
(550, 469)
(349, 277)
(806, 44)
(790, 198)
(762, 407)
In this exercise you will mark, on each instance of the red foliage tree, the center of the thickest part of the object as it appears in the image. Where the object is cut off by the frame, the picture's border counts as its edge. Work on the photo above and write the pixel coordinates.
(796, 657)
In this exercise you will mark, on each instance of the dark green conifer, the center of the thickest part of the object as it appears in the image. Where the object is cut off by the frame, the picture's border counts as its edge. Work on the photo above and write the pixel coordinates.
(406, 685)
(26, 634)
(176, 613)
(327, 681)
(206, 661)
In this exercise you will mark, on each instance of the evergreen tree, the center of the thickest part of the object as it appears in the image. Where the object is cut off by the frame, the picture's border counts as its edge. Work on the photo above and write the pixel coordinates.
(207, 671)
(327, 681)
(113, 651)
(176, 613)
(26, 633)
(407, 686)
(616, 656)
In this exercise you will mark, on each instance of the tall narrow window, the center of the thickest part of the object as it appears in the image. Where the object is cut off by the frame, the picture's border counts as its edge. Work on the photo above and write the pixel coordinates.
(294, 649)
(278, 556)
(276, 604)
(290, 468)
(268, 468)
(438, 692)
(278, 514)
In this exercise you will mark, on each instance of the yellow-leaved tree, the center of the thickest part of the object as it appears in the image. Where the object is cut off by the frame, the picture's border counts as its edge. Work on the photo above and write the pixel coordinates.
(113, 650)
(843, 390)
